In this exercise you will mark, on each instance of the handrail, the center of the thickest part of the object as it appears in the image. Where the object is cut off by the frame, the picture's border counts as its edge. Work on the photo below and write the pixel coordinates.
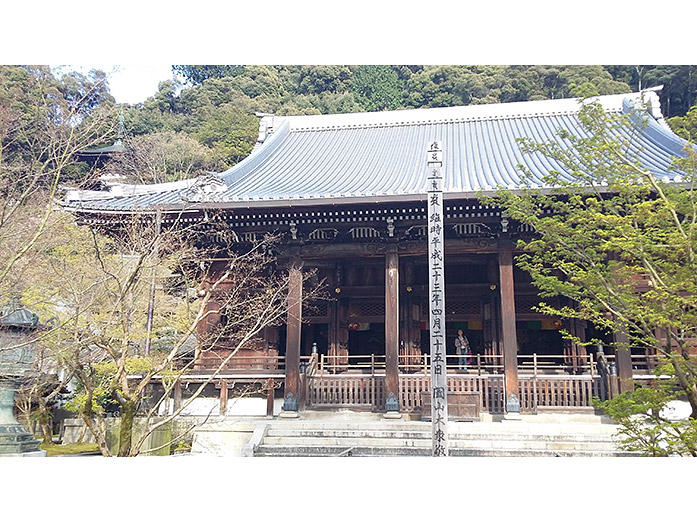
(311, 365)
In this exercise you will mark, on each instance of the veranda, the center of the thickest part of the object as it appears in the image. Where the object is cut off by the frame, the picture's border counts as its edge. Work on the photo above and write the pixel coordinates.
(547, 383)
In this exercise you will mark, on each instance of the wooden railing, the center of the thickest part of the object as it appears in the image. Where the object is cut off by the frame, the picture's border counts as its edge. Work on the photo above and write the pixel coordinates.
(557, 392)
(645, 363)
(346, 391)
(243, 362)
(489, 386)
(334, 364)
(536, 392)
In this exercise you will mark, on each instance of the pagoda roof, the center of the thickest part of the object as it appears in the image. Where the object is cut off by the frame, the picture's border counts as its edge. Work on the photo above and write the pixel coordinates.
(13, 314)
(116, 147)
(381, 157)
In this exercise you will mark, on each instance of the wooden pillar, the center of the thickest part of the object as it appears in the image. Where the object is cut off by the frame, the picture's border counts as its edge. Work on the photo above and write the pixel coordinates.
(508, 331)
(333, 331)
(623, 360)
(392, 330)
(270, 388)
(177, 395)
(293, 329)
(223, 397)
(496, 347)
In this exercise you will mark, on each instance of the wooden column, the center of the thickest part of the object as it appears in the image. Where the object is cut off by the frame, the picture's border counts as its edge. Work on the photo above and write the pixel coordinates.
(293, 329)
(223, 397)
(270, 388)
(508, 331)
(496, 346)
(623, 360)
(392, 329)
(177, 395)
(343, 321)
(333, 333)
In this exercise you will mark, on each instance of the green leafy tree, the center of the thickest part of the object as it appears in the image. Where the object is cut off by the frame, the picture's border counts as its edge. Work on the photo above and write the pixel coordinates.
(685, 126)
(648, 423)
(446, 86)
(377, 87)
(229, 132)
(316, 79)
(615, 240)
(197, 74)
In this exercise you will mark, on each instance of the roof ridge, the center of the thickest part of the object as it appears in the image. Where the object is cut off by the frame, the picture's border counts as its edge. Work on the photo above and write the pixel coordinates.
(463, 113)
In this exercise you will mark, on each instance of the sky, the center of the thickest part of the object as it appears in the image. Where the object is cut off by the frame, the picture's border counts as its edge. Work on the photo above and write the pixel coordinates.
(129, 84)
(395, 32)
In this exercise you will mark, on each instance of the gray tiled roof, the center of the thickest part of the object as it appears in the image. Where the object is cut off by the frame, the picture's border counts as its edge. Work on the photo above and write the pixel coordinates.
(370, 156)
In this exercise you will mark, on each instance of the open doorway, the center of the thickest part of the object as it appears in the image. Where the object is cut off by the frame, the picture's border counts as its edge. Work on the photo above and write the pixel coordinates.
(366, 339)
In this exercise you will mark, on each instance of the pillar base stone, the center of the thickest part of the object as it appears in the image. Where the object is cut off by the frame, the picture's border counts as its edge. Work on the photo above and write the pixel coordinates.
(289, 414)
(392, 415)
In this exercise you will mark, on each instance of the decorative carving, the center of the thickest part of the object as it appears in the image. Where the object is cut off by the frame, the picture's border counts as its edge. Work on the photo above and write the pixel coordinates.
(364, 233)
(323, 234)
(374, 248)
(504, 223)
(206, 188)
(390, 227)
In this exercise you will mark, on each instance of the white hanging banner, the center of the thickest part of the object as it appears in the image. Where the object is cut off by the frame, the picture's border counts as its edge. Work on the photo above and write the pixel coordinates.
(436, 292)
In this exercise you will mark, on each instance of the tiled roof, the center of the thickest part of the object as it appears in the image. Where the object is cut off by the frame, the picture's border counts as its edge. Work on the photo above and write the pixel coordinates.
(382, 156)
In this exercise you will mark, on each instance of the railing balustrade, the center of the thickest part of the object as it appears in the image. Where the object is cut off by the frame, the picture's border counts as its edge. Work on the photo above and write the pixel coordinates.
(537, 392)
(243, 363)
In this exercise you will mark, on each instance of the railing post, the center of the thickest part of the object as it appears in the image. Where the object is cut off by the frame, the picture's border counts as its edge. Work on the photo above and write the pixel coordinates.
(590, 364)
(534, 382)
(534, 363)
(479, 364)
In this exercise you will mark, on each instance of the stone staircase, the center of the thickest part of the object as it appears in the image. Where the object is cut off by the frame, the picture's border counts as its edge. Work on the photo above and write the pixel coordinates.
(535, 436)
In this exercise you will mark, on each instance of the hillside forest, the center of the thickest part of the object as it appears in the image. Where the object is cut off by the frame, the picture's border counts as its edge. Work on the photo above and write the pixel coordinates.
(204, 120)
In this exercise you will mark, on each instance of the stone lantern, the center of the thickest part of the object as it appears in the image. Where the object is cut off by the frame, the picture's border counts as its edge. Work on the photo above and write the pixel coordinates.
(17, 327)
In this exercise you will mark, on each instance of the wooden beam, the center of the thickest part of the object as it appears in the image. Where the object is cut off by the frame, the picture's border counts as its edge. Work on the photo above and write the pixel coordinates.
(392, 324)
(508, 325)
(293, 329)
(406, 247)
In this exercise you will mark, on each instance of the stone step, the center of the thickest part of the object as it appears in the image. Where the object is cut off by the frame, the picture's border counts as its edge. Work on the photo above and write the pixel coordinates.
(536, 436)
(455, 428)
(385, 443)
(423, 435)
(359, 451)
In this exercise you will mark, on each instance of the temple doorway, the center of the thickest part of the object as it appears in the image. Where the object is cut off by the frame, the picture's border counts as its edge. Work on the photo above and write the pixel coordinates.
(366, 339)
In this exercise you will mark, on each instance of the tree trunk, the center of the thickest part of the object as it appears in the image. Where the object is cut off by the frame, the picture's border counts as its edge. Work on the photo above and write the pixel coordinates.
(98, 435)
(45, 422)
(128, 412)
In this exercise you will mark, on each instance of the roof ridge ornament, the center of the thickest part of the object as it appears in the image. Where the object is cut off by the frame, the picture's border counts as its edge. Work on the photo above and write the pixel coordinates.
(266, 126)
(206, 188)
